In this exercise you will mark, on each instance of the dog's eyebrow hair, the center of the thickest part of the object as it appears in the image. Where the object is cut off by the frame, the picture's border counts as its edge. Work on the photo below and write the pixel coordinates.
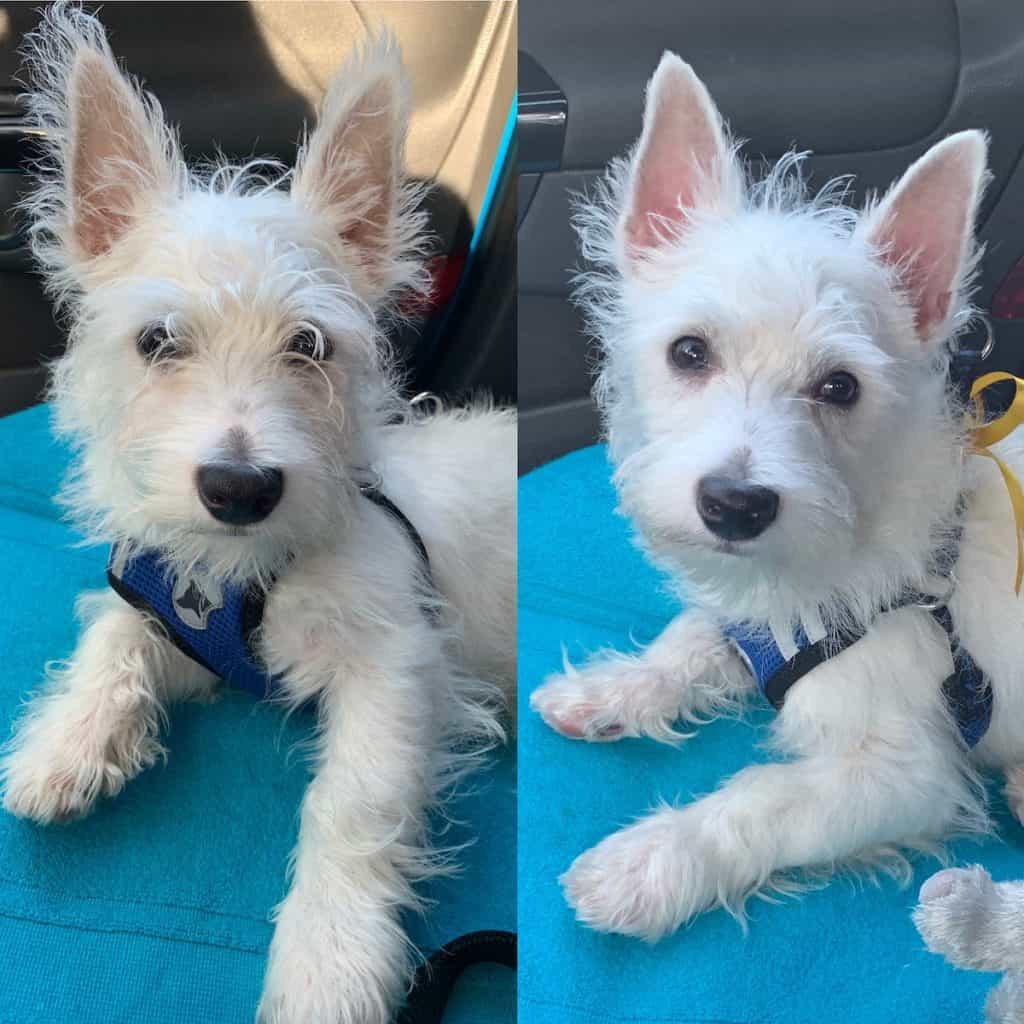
(850, 347)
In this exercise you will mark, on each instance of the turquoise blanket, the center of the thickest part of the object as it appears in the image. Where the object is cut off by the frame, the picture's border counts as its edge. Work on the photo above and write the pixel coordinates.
(155, 909)
(847, 952)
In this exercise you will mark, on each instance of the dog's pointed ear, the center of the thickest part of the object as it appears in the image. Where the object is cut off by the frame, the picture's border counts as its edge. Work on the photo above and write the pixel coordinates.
(924, 228)
(350, 168)
(683, 163)
(111, 152)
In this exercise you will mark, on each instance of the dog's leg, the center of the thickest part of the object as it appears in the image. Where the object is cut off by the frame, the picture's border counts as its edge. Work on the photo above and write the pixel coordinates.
(96, 725)
(650, 878)
(688, 673)
(339, 954)
(972, 921)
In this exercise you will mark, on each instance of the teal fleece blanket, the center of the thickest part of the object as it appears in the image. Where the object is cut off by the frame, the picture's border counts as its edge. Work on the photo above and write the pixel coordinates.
(847, 952)
(156, 908)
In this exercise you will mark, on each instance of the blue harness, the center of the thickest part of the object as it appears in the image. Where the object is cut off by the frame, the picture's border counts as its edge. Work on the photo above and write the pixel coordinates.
(966, 691)
(213, 624)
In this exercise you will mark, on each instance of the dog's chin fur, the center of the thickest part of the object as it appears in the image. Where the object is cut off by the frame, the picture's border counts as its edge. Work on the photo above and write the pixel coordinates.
(233, 263)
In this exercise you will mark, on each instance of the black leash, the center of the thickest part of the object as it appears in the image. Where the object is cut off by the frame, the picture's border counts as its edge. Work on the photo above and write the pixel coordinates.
(435, 980)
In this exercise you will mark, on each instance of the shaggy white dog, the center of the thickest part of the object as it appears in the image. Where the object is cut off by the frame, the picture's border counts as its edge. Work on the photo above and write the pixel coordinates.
(775, 396)
(228, 392)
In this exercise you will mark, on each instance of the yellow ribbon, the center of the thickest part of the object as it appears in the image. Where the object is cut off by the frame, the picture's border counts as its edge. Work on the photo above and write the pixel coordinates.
(983, 435)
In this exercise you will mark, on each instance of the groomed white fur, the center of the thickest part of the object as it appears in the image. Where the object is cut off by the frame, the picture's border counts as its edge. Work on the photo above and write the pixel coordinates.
(232, 264)
(787, 288)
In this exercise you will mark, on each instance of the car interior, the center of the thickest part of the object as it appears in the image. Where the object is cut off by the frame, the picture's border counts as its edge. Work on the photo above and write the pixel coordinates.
(866, 88)
(241, 79)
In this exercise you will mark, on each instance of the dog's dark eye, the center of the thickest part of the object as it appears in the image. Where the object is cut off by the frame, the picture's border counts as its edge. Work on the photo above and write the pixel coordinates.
(689, 353)
(154, 341)
(839, 389)
(311, 344)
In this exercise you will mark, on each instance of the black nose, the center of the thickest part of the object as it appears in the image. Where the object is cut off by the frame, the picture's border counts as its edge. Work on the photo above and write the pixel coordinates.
(239, 495)
(734, 510)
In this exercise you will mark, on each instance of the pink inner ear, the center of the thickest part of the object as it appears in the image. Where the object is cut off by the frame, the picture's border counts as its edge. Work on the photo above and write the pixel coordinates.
(373, 138)
(681, 160)
(926, 245)
(924, 232)
(109, 163)
(666, 187)
(353, 170)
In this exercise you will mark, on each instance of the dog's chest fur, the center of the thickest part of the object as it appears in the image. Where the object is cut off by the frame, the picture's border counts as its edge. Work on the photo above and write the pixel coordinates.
(328, 610)
(906, 654)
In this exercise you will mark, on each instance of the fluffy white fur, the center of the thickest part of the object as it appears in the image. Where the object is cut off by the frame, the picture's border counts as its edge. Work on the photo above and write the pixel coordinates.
(787, 288)
(978, 925)
(233, 262)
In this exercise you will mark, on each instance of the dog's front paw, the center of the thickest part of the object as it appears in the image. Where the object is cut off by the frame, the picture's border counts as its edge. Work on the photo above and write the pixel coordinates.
(56, 770)
(954, 906)
(606, 701)
(641, 881)
(326, 972)
(577, 709)
(50, 788)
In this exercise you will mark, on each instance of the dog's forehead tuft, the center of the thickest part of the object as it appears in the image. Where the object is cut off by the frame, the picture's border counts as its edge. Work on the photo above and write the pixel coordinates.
(792, 277)
(247, 251)
(248, 230)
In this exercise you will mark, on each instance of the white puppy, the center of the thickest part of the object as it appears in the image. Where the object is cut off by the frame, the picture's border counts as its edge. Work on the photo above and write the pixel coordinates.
(227, 390)
(775, 398)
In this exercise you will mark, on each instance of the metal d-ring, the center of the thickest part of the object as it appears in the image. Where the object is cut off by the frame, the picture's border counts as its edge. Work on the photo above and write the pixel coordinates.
(368, 478)
(990, 336)
(940, 600)
(431, 404)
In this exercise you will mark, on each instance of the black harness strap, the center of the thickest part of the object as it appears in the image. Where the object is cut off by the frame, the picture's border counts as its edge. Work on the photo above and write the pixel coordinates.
(804, 661)
(381, 500)
(966, 691)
